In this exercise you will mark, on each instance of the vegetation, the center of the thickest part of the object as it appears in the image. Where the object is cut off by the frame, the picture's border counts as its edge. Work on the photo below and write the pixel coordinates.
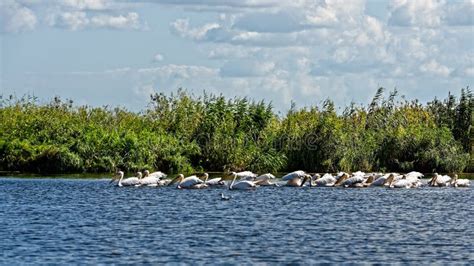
(184, 133)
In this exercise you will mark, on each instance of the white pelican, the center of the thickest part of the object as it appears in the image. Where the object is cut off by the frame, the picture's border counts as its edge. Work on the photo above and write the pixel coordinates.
(440, 180)
(404, 182)
(157, 174)
(358, 180)
(127, 182)
(214, 182)
(415, 174)
(296, 178)
(246, 175)
(382, 180)
(341, 178)
(455, 182)
(264, 180)
(242, 184)
(358, 173)
(153, 179)
(327, 180)
(190, 182)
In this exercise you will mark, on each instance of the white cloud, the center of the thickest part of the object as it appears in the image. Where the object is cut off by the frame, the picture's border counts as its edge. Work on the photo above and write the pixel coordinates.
(436, 68)
(415, 13)
(181, 27)
(15, 17)
(460, 13)
(128, 21)
(158, 58)
(86, 4)
(79, 20)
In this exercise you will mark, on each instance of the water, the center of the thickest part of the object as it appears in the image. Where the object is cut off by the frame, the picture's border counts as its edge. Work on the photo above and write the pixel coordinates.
(89, 221)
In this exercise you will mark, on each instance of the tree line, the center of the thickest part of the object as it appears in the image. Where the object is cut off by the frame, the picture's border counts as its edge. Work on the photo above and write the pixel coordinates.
(181, 132)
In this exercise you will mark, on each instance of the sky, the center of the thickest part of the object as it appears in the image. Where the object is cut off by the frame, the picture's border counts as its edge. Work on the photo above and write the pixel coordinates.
(118, 52)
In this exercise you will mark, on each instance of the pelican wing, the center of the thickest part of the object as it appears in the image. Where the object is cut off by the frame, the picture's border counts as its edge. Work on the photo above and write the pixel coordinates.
(402, 183)
(131, 181)
(190, 181)
(358, 173)
(149, 180)
(246, 175)
(443, 179)
(292, 175)
(215, 181)
(380, 181)
(242, 185)
(463, 183)
(354, 180)
(415, 174)
(158, 174)
(267, 176)
(325, 180)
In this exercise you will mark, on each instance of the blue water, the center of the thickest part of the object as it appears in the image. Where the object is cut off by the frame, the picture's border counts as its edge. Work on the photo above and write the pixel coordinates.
(90, 221)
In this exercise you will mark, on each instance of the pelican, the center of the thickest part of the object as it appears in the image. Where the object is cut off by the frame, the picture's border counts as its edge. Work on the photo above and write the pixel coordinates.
(382, 180)
(264, 180)
(358, 180)
(342, 177)
(440, 181)
(157, 174)
(415, 174)
(127, 182)
(246, 175)
(214, 182)
(242, 184)
(327, 180)
(153, 179)
(404, 182)
(296, 178)
(190, 182)
(455, 182)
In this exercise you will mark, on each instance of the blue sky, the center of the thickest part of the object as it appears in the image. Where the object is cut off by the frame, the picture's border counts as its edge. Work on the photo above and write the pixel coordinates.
(117, 53)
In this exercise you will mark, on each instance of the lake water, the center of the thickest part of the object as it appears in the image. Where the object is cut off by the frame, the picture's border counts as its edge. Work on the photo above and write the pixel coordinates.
(89, 221)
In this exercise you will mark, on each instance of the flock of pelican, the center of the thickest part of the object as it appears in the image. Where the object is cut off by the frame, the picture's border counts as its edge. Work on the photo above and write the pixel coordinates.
(247, 180)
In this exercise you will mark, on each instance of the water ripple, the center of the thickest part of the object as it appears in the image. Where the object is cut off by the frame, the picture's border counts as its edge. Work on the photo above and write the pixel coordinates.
(89, 221)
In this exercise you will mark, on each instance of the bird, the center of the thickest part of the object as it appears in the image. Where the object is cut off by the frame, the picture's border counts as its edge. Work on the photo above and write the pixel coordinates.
(327, 180)
(440, 180)
(153, 179)
(342, 177)
(404, 182)
(264, 180)
(242, 184)
(246, 175)
(455, 182)
(127, 182)
(296, 178)
(215, 182)
(380, 180)
(223, 197)
(157, 174)
(190, 182)
(358, 180)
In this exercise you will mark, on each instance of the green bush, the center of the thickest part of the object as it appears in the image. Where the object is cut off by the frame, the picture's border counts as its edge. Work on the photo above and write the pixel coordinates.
(184, 133)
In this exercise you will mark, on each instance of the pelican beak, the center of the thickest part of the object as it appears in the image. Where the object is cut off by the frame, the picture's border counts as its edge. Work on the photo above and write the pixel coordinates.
(369, 181)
